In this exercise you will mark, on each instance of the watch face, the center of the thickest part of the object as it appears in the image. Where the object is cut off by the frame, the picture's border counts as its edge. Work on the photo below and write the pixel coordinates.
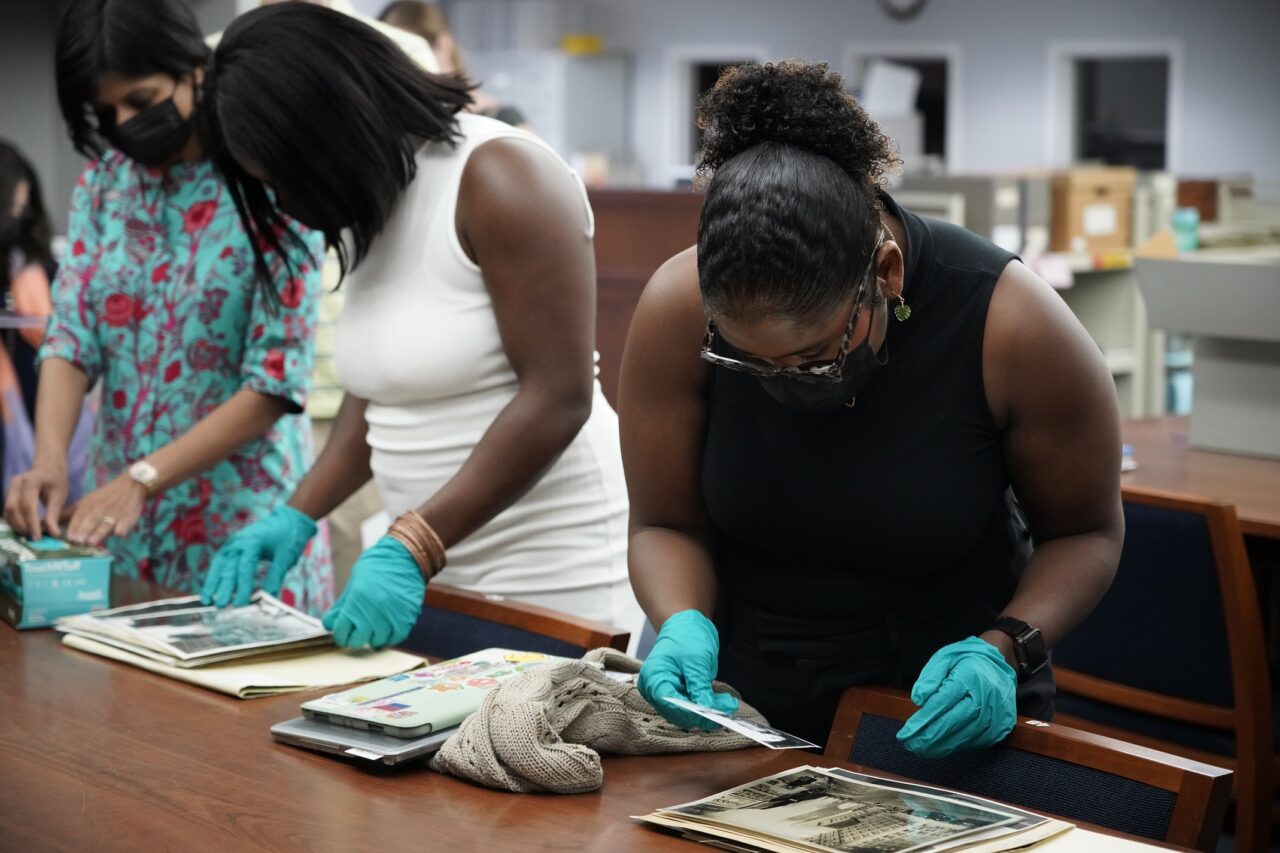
(144, 472)
(1033, 656)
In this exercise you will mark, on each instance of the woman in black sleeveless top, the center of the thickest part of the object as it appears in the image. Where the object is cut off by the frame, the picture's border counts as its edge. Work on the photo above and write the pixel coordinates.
(831, 481)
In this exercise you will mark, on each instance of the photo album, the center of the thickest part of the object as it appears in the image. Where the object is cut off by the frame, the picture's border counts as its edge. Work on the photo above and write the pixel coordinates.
(831, 809)
(183, 632)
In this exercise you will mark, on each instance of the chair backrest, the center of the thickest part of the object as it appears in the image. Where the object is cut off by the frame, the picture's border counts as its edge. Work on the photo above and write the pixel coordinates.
(1048, 768)
(456, 622)
(1179, 634)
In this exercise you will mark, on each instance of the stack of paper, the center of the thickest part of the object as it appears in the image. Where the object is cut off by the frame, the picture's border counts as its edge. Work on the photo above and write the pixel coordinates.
(269, 677)
(261, 649)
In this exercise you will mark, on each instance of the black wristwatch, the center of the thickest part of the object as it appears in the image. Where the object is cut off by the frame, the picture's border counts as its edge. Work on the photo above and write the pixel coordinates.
(1028, 645)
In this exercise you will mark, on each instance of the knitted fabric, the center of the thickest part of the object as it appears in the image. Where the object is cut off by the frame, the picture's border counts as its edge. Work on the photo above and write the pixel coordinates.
(544, 730)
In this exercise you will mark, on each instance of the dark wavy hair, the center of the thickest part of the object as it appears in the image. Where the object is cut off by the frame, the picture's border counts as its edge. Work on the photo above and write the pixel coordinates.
(331, 112)
(35, 232)
(792, 166)
(134, 38)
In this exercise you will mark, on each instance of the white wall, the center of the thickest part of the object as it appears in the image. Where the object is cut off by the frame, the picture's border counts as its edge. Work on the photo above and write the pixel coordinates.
(1231, 77)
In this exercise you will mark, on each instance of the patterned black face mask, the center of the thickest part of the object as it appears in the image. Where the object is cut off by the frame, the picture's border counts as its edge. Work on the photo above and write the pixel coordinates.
(816, 397)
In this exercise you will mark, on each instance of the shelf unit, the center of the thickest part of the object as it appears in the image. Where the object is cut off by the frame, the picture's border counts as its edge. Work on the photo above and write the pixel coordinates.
(1104, 296)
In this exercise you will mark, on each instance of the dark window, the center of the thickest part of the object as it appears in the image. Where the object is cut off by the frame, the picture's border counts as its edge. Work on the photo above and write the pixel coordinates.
(931, 100)
(1122, 110)
(704, 77)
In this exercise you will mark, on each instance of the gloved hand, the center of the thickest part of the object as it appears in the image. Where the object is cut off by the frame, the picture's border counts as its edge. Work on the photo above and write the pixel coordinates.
(683, 664)
(280, 537)
(382, 600)
(965, 694)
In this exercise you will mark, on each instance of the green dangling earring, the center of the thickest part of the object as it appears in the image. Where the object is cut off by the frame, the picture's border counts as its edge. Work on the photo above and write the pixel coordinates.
(901, 311)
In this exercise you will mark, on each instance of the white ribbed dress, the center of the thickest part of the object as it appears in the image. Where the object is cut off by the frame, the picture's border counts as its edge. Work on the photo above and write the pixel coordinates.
(418, 338)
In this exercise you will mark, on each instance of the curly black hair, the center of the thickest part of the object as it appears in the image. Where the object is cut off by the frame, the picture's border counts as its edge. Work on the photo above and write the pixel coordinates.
(792, 166)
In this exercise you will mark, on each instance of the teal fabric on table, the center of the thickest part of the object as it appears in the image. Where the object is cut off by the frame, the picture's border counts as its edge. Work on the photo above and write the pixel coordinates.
(156, 298)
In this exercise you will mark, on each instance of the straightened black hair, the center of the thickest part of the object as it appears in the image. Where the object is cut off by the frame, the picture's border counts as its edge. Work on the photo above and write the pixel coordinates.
(783, 232)
(33, 239)
(331, 112)
(792, 213)
(134, 38)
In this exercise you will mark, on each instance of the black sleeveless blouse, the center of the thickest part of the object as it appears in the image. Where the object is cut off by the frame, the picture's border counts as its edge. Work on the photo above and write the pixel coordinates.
(852, 545)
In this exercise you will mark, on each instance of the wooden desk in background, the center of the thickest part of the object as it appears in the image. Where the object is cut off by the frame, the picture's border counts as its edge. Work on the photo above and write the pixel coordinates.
(636, 232)
(1167, 461)
(97, 755)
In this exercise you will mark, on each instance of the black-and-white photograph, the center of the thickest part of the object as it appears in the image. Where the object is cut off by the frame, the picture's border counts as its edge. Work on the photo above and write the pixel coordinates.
(818, 808)
(186, 630)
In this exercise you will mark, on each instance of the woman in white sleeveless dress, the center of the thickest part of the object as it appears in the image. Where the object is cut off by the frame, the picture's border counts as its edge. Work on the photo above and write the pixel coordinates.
(465, 344)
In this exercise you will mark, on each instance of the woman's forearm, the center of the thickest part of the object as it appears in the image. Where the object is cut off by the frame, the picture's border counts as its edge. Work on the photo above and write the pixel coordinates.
(1064, 580)
(30, 289)
(244, 417)
(59, 398)
(523, 441)
(670, 571)
(342, 466)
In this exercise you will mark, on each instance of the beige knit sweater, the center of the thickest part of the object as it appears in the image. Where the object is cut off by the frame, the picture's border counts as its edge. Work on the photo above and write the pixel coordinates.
(544, 730)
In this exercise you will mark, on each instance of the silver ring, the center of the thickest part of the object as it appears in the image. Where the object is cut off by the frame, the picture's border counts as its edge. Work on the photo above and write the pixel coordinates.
(107, 519)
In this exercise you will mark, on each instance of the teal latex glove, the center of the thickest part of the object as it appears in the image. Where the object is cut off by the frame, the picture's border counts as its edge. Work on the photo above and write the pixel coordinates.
(965, 694)
(280, 537)
(683, 664)
(382, 600)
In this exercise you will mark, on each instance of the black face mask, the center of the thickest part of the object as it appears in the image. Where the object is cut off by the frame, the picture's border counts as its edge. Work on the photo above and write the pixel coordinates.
(800, 395)
(11, 229)
(154, 136)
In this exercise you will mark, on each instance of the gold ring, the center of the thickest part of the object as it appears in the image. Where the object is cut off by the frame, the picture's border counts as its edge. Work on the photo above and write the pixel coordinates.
(106, 519)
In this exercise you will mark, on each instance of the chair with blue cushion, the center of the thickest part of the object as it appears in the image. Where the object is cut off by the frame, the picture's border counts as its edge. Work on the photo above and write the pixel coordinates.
(1174, 657)
(456, 622)
(1048, 768)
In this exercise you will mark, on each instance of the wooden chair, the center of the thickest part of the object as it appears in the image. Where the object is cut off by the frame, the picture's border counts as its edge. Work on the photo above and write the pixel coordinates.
(456, 622)
(1174, 656)
(1048, 768)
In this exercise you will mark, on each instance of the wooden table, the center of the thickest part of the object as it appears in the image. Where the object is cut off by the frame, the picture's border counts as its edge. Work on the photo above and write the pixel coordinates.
(1167, 461)
(97, 755)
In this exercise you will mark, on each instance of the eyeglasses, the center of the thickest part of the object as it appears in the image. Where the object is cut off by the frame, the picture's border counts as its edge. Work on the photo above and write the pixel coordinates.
(825, 371)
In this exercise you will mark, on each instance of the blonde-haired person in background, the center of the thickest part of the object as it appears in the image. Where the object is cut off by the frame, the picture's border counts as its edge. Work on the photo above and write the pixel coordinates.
(428, 21)
(415, 46)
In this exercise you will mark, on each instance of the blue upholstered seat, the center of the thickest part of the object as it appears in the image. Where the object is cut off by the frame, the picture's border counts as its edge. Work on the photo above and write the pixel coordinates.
(1161, 648)
(1161, 626)
(448, 634)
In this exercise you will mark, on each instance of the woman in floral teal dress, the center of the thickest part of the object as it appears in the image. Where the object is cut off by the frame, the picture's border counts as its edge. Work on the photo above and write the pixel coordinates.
(204, 359)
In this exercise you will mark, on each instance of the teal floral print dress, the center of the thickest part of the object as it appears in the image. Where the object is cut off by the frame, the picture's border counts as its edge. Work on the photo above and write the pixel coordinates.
(156, 299)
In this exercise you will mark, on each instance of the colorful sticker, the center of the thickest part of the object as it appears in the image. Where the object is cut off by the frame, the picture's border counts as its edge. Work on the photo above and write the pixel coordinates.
(392, 706)
(401, 715)
(524, 657)
(444, 687)
(482, 682)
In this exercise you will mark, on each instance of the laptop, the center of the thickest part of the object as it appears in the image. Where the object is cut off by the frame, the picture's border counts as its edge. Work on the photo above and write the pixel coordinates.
(352, 743)
(425, 701)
